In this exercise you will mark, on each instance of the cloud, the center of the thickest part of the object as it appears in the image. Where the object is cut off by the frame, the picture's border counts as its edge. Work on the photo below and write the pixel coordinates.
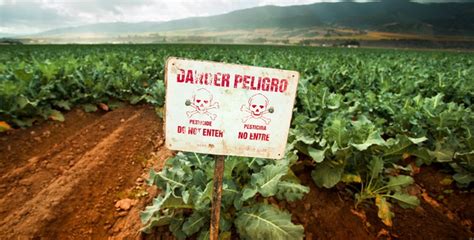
(29, 16)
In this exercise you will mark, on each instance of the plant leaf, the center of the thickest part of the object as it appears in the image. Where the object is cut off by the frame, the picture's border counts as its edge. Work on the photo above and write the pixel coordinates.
(291, 191)
(157, 221)
(351, 178)
(464, 178)
(418, 140)
(176, 227)
(66, 105)
(56, 116)
(407, 200)
(316, 154)
(150, 211)
(194, 223)
(397, 146)
(264, 221)
(337, 131)
(374, 138)
(396, 183)
(442, 155)
(375, 167)
(327, 175)
(248, 193)
(384, 212)
(4, 126)
(89, 107)
(203, 235)
(267, 180)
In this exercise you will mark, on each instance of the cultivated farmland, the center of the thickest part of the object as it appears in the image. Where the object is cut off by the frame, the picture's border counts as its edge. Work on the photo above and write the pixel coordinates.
(381, 145)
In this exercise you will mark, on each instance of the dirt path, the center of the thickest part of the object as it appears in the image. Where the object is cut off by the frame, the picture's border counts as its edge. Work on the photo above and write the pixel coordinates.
(61, 180)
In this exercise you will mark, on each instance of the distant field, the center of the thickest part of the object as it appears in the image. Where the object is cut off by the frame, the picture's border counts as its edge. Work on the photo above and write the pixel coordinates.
(281, 36)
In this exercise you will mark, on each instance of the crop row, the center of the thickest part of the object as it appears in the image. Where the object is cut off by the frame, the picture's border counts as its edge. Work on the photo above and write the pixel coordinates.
(367, 118)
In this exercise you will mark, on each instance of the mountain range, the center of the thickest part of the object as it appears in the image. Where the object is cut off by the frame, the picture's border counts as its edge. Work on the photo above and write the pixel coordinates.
(389, 16)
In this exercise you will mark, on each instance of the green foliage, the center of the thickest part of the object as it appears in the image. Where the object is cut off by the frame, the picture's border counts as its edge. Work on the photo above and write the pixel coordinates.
(185, 199)
(264, 221)
(359, 113)
(381, 188)
(351, 108)
(36, 81)
(328, 173)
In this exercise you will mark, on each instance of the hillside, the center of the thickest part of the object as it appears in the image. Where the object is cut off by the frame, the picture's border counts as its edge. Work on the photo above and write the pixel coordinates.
(386, 16)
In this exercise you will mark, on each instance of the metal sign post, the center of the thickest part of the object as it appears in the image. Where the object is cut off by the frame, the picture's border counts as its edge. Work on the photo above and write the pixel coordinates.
(227, 109)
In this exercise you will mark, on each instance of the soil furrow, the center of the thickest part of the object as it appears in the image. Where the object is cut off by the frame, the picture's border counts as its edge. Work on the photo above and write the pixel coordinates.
(17, 147)
(37, 212)
(26, 181)
(90, 211)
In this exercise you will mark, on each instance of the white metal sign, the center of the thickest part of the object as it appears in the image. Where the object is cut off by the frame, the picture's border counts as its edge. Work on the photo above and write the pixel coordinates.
(228, 109)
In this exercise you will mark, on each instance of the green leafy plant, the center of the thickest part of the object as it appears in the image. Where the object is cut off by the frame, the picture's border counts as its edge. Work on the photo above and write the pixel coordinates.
(381, 188)
(353, 105)
(185, 199)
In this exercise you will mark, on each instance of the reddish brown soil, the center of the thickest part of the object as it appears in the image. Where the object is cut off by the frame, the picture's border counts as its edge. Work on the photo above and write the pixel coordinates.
(330, 213)
(326, 214)
(62, 181)
(454, 202)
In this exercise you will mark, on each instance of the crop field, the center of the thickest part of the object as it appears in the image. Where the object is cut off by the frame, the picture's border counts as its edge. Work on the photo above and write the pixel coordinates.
(381, 145)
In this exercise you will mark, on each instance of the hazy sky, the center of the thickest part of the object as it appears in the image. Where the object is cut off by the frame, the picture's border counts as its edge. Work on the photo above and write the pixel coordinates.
(29, 16)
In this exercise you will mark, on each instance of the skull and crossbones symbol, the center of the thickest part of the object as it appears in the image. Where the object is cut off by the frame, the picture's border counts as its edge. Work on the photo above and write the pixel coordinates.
(257, 107)
(202, 103)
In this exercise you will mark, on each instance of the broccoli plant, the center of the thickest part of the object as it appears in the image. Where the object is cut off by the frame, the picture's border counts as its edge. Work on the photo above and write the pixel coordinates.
(382, 188)
(185, 200)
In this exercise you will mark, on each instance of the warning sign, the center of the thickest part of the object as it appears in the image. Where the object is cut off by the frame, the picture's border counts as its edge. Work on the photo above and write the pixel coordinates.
(228, 109)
